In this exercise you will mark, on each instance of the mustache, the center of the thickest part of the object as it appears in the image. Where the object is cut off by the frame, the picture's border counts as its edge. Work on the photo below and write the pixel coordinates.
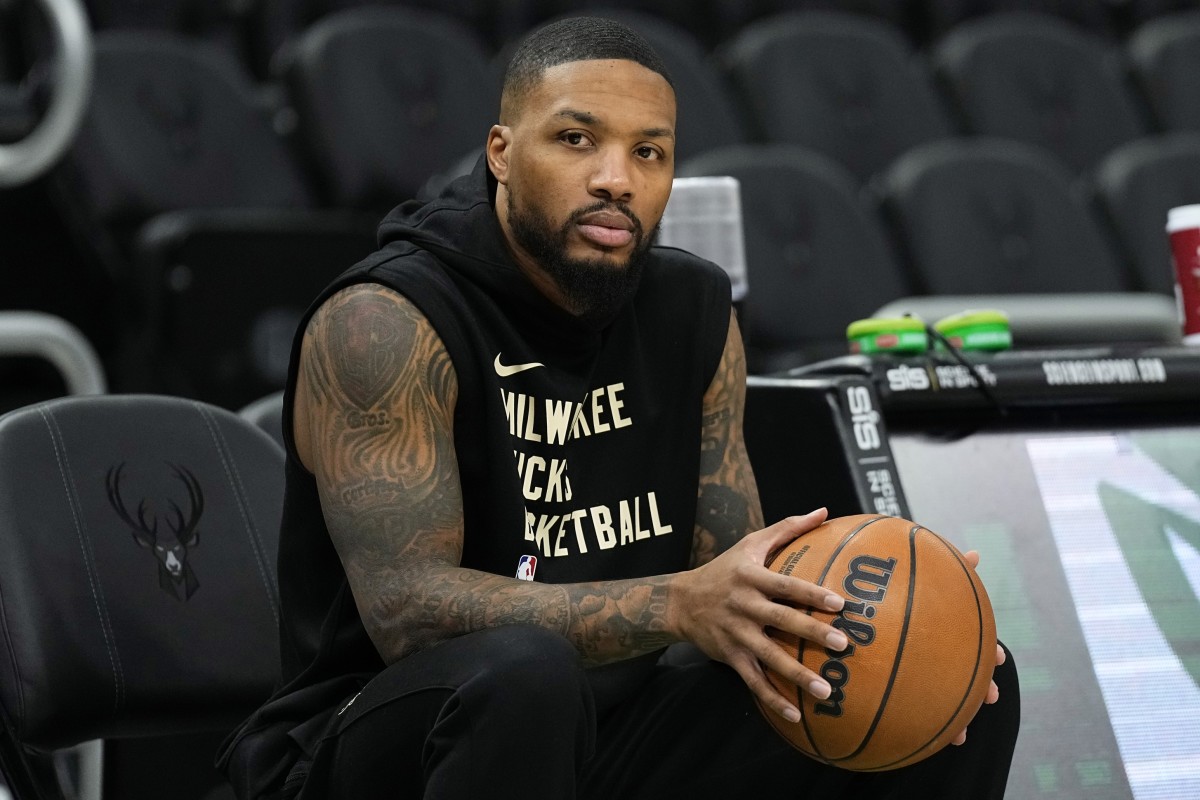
(607, 205)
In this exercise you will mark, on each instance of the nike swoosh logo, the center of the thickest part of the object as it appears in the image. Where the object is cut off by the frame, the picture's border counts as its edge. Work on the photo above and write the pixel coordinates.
(504, 370)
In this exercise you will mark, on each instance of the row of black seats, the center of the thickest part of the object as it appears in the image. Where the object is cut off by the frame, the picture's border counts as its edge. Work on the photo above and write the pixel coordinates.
(254, 29)
(962, 217)
(176, 127)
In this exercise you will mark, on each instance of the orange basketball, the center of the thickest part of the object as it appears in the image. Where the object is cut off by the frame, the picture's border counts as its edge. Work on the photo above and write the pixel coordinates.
(922, 643)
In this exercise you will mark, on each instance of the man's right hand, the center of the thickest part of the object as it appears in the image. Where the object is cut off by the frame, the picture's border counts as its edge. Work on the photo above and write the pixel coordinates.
(726, 605)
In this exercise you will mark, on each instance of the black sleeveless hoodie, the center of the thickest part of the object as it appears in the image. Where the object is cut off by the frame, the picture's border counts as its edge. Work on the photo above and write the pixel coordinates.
(578, 448)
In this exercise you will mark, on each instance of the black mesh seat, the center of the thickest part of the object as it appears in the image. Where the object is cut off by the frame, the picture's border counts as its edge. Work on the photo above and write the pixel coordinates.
(1039, 80)
(387, 97)
(994, 216)
(138, 577)
(1165, 54)
(817, 257)
(846, 86)
(1136, 185)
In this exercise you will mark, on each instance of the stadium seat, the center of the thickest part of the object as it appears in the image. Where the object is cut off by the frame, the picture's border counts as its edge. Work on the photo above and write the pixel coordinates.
(736, 14)
(266, 413)
(176, 128)
(817, 257)
(254, 272)
(225, 24)
(707, 114)
(941, 16)
(979, 216)
(1039, 80)
(1165, 54)
(847, 86)
(138, 583)
(174, 124)
(387, 97)
(1136, 185)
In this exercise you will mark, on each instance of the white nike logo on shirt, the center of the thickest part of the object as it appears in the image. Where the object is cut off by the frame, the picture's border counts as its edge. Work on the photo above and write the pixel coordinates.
(504, 370)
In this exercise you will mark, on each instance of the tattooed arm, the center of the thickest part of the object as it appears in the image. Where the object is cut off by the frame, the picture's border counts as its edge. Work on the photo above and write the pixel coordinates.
(728, 507)
(374, 423)
(374, 413)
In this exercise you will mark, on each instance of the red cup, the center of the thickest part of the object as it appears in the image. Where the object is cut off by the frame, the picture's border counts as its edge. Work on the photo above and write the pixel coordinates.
(1183, 228)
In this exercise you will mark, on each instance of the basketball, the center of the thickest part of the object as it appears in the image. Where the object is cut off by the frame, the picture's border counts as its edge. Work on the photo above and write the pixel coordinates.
(922, 644)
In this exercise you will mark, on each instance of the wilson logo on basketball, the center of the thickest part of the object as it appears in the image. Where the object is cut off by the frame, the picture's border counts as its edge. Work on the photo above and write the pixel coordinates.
(867, 582)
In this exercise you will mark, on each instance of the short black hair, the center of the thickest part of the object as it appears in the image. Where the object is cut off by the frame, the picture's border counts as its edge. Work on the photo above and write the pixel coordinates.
(575, 39)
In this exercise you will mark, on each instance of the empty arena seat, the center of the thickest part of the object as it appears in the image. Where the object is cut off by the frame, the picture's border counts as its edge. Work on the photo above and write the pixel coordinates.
(225, 24)
(224, 290)
(978, 216)
(176, 128)
(1136, 185)
(1037, 79)
(267, 413)
(1165, 54)
(174, 124)
(817, 257)
(707, 115)
(387, 97)
(138, 581)
(847, 86)
(940, 16)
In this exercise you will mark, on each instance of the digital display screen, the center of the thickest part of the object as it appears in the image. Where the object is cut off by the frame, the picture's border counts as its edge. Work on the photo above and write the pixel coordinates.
(1090, 545)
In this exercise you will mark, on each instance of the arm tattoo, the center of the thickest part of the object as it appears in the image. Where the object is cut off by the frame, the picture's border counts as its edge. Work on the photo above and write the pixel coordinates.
(381, 392)
(728, 506)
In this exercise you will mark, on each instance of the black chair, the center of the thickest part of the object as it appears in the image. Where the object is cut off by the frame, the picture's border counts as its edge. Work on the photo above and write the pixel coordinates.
(1165, 54)
(1039, 80)
(940, 16)
(176, 129)
(266, 413)
(224, 291)
(847, 86)
(138, 578)
(707, 115)
(387, 97)
(225, 24)
(1136, 185)
(817, 257)
(173, 125)
(978, 216)
(733, 15)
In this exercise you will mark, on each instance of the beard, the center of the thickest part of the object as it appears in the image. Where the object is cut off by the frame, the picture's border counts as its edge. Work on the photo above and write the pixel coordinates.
(594, 288)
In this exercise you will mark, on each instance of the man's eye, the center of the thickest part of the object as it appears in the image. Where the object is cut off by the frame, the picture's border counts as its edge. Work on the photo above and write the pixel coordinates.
(573, 137)
(647, 153)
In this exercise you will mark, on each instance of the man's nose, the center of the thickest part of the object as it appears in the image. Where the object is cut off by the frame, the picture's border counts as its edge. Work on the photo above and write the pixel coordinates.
(612, 178)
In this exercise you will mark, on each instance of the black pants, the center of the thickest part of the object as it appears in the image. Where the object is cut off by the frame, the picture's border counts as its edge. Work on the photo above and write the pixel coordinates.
(508, 713)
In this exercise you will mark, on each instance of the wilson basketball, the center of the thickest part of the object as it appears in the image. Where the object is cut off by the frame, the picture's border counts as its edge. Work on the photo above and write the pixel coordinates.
(922, 643)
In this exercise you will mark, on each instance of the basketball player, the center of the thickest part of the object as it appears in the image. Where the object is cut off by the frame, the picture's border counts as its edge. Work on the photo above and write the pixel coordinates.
(517, 373)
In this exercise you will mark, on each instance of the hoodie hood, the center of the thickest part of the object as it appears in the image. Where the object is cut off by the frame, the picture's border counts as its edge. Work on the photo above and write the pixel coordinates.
(460, 228)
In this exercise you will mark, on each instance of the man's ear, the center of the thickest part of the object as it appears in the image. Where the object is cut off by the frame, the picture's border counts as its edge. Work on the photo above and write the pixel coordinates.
(498, 144)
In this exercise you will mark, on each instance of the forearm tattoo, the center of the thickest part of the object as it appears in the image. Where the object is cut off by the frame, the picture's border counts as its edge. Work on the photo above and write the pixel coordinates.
(380, 392)
(728, 506)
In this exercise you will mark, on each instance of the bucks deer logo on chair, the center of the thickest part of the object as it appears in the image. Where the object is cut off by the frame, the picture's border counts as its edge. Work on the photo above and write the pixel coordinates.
(175, 574)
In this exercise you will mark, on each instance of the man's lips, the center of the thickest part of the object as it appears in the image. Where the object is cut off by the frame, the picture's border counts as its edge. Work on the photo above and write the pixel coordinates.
(606, 228)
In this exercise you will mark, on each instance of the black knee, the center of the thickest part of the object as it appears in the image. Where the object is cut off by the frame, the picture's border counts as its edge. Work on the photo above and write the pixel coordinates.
(527, 666)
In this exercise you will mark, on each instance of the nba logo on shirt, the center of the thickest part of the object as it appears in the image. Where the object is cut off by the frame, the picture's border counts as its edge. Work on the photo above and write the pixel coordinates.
(526, 567)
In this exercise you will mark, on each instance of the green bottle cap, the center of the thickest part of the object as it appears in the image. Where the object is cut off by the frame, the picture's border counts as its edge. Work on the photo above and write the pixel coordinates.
(984, 329)
(894, 335)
